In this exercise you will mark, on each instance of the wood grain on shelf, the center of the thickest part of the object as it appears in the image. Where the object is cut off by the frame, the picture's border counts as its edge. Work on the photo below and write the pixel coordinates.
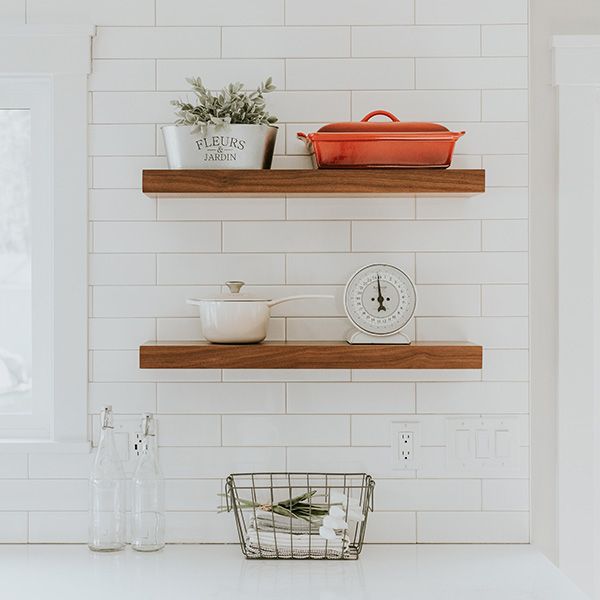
(310, 355)
(230, 182)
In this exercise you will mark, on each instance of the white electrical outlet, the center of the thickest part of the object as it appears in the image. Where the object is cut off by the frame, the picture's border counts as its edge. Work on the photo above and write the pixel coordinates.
(136, 444)
(406, 437)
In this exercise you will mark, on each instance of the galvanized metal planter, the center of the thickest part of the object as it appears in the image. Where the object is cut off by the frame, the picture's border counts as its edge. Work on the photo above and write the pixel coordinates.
(220, 147)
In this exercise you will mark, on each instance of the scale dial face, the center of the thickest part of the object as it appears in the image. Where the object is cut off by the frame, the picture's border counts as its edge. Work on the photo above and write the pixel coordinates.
(380, 299)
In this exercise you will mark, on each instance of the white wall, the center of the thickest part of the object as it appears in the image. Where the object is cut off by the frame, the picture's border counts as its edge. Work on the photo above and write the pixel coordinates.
(548, 17)
(461, 63)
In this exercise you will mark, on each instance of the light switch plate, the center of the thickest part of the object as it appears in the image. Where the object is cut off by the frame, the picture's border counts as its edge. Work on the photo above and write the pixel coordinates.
(485, 445)
(406, 441)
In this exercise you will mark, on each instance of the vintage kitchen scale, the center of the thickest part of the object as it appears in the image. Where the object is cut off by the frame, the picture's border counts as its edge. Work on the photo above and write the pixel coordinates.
(379, 300)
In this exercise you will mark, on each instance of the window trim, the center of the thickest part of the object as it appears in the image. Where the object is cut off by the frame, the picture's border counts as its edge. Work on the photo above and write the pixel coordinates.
(35, 94)
(62, 53)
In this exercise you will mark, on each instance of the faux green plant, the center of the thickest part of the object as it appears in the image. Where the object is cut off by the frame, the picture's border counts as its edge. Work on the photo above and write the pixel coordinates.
(299, 507)
(232, 105)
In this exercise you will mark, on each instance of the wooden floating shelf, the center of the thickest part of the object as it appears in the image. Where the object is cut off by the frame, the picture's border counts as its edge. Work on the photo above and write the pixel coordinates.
(310, 355)
(355, 182)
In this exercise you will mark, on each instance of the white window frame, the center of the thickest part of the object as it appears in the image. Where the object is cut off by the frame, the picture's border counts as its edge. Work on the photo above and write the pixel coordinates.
(34, 94)
(60, 55)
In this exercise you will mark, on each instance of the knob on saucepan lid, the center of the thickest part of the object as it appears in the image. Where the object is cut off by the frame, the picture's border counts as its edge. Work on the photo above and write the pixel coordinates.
(234, 286)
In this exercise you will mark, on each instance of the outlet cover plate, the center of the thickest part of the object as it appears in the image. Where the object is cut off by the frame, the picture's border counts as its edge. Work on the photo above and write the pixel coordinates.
(406, 441)
(484, 445)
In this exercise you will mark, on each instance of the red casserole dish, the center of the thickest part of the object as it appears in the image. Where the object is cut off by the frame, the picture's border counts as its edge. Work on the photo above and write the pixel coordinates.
(385, 144)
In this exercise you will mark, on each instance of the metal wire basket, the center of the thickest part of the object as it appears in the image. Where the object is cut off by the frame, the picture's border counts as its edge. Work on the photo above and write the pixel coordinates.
(300, 515)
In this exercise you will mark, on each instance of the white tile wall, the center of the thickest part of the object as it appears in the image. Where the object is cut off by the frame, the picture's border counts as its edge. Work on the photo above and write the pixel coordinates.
(462, 63)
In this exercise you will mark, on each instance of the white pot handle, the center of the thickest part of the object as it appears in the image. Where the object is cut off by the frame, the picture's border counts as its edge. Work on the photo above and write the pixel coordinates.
(302, 297)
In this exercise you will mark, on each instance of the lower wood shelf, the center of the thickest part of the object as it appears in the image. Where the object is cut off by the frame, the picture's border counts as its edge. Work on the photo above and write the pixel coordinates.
(310, 355)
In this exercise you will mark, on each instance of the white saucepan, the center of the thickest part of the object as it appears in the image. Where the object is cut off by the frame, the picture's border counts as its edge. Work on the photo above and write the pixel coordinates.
(237, 318)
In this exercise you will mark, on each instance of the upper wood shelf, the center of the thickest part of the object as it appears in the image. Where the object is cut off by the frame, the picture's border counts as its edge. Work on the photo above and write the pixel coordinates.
(310, 355)
(361, 182)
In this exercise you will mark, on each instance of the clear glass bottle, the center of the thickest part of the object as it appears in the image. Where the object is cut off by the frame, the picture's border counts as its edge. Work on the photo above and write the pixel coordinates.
(107, 508)
(148, 489)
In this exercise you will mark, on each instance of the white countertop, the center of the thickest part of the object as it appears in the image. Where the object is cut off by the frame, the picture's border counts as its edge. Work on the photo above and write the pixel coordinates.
(185, 572)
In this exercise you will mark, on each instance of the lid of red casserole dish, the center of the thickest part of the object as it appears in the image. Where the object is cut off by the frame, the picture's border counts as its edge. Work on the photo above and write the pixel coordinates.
(392, 126)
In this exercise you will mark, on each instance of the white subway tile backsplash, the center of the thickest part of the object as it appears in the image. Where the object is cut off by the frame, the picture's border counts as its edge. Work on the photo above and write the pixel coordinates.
(476, 268)
(221, 398)
(428, 494)
(214, 269)
(13, 527)
(157, 42)
(504, 40)
(13, 466)
(217, 462)
(506, 170)
(504, 300)
(221, 209)
(123, 171)
(122, 140)
(337, 268)
(419, 105)
(448, 300)
(504, 105)
(309, 106)
(107, 12)
(505, 235)
(505, 365)
(476, 397)
(419, 236)
(189, 430)
(225, 12)
(122, 269)
(322, 209)
(416, 375)
(133, 107)
(218, 73)
(58, 527)
(494, 203)
(322, 328)
(462, 64)
(345, 398)
(471, 73)
(288, 236)
(492, 138)
(348, 12)
(391, 528)
(473, 527)
(471, 11)
(125, 398)
(286, 430)
(505, 494)
(123, 75)
(165, 236)
(416, 41)
(123, 366)
(286, 375)
(285, 42)
(199, 527)
(114, 205)
(492, 332)
(192, 494)
(147, 301)
(349, 73)
(342, 459)
(120, 334)
(60, 466)
(35, 494)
